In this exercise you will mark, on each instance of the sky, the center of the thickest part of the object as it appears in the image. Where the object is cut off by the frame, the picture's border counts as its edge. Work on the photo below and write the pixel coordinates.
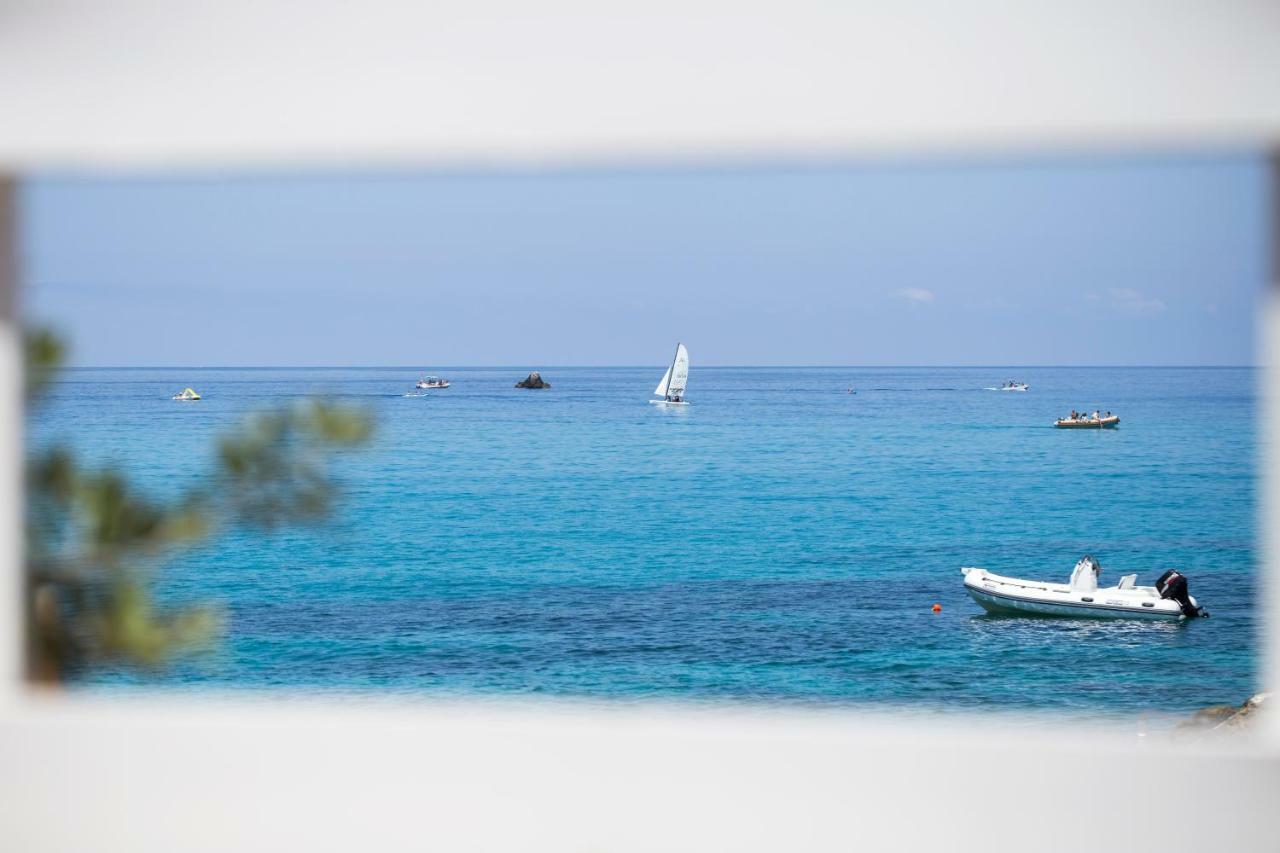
(1086, 260)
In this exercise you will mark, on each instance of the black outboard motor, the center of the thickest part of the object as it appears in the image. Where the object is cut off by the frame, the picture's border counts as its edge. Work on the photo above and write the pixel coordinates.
(1173, 585)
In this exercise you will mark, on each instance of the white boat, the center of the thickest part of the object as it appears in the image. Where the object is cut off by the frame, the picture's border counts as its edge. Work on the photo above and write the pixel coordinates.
(671, 388)
(1109, 421)
(1015, 386)
(432, 382)
(187, 396)
(1081, 597)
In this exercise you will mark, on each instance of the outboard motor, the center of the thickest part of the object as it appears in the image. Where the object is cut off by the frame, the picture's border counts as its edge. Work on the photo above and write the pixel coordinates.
(1173, 585)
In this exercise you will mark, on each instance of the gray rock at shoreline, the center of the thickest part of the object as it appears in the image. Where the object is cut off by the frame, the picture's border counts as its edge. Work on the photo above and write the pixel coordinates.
(533, 380)
(1226, 718)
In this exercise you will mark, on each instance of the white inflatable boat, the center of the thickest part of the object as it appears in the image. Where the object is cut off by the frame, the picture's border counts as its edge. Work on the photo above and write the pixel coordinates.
(1081, 596)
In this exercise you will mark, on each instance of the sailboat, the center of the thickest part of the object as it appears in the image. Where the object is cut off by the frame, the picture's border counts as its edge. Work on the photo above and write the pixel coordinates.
(671, 388)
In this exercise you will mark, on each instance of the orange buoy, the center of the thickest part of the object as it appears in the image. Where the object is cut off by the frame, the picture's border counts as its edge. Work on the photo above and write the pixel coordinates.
(937, 608)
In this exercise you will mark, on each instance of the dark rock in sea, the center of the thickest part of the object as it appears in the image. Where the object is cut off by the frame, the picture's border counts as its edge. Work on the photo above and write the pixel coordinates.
(533, 380)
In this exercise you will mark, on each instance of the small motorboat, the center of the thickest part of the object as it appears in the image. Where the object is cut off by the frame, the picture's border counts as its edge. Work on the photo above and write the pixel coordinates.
(187, 395)
(1081, 597)
(1015, 386)
(429, 382)
(1107, 421)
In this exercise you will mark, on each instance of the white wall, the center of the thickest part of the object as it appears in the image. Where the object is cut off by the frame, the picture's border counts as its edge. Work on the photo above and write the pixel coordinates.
(164, 83)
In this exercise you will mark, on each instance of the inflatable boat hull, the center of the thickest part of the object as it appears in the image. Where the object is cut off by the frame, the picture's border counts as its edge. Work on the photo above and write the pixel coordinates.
(1089, 423)
(1011, 596)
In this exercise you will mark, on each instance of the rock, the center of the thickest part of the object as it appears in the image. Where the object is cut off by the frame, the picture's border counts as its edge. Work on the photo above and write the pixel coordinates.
(1207, 718)
(533, 380)
(1256, 702)
(1249, 712)
(1226, 717)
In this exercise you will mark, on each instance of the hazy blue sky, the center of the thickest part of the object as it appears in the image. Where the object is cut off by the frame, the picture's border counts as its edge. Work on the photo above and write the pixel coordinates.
(1095, 260)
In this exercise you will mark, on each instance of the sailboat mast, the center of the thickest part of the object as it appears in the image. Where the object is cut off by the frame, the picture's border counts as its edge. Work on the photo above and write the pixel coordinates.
(675, 356)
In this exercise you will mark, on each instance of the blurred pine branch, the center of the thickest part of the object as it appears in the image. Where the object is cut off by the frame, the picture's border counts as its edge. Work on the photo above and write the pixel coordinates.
(94, 542)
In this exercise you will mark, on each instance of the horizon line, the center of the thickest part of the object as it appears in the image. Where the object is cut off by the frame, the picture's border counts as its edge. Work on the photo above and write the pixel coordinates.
(516, 367)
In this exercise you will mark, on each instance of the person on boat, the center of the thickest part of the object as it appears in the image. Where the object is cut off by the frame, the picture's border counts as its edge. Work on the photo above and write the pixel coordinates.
(1096, 415)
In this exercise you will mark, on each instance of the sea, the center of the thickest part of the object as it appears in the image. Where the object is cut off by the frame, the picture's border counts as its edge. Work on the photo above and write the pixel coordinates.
(782, 540)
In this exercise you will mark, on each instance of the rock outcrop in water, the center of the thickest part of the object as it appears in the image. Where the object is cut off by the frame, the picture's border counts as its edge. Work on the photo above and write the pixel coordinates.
(1227, 718)
(533, 380)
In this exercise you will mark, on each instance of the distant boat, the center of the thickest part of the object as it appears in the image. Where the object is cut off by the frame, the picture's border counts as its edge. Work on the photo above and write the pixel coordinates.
(433, 382)
(1107, 422)
(187, 395)
(671, 388)
(1015, 386)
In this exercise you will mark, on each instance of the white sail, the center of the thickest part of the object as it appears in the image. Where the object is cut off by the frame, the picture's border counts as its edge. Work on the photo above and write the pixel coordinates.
(679, 372)
(661, 390)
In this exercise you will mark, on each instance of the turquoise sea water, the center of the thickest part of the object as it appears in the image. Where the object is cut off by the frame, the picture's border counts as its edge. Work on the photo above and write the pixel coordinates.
(779, 539)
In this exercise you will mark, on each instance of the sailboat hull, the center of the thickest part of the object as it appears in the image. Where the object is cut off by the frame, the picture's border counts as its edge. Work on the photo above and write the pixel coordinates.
(668, 403)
